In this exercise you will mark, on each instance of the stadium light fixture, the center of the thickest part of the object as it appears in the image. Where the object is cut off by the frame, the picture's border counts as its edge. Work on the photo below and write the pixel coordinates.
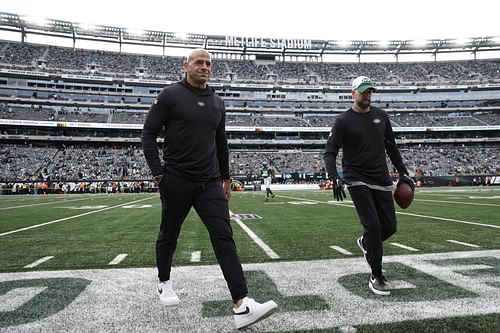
(343, 43)
(496, 39)
(462, 41)
(136, 32)
(40, 21)
(181, 35)
(419, 42)
(87, 26)
(384, 43)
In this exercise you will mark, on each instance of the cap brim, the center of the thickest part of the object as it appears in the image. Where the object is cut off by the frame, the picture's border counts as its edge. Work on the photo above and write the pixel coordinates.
(364, 87)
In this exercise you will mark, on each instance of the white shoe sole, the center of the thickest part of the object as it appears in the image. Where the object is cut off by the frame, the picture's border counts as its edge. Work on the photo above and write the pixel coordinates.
(272, 308)
(169, 302)
(364, 252)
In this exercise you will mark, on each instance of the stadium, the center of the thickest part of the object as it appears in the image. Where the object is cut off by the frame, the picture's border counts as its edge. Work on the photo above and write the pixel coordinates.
(80, 211)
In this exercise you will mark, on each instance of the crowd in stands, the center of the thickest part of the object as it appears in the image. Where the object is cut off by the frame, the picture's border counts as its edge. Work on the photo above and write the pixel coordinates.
(57, 59)
(267, 119)
(26, 162)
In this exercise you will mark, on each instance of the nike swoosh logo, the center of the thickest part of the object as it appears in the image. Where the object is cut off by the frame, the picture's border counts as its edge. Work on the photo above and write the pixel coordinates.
(160, 290)
(247, 311)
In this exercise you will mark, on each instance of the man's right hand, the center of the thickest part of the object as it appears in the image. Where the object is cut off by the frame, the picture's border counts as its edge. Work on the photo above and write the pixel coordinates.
(338, 188)
(158, 179)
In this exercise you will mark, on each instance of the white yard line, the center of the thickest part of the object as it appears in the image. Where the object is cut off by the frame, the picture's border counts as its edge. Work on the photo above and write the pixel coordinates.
(44, 203)
(196, 256)
(71, 217)
(451, 220)
(118, 259)
(462, 243)
(256, 238)
(340, 249)
(39, 261)
(397, 212)
(460, 202)
(409, 248)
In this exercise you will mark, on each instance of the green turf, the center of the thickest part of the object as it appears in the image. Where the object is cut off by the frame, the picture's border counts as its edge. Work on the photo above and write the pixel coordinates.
(293, 231)
(297, 225)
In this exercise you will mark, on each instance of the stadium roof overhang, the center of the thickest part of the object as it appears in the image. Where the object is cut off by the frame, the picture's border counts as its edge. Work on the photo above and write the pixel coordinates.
(241, 44)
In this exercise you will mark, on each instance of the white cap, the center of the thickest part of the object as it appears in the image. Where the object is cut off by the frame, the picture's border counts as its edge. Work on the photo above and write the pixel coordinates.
(362, 84)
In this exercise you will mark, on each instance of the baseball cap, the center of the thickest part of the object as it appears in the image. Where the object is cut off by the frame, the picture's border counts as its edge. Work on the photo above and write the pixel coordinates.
(362, 84)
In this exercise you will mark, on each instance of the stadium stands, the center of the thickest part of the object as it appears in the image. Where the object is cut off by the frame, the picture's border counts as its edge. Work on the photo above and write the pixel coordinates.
(74, 114)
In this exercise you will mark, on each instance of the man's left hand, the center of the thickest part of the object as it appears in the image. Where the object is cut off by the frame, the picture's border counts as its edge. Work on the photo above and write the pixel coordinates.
(227, 188)
(407, 179)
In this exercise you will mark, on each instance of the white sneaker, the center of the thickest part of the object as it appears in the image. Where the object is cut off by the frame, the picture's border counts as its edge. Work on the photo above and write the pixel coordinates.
(251, 312)
(166, 294)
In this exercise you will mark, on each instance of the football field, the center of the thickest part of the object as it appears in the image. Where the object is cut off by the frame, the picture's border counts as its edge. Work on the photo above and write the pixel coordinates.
(86, 263)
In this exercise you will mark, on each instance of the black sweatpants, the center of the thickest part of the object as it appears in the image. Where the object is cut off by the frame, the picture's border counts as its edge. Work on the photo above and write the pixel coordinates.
(209, 200)
(376, 213)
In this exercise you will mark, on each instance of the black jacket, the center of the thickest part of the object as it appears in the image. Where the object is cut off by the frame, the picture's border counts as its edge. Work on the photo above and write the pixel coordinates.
(364, 138)
(193, 120)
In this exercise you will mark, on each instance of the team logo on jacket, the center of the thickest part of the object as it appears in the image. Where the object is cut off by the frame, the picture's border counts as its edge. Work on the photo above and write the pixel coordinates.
(376, 121)
(201, 104)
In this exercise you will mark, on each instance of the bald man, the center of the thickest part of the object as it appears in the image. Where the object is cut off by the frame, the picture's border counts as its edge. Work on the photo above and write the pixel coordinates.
(195, 173)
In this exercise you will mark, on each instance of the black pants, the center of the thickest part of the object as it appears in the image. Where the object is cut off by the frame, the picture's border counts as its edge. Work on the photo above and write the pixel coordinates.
(209, 200)
(377, 215)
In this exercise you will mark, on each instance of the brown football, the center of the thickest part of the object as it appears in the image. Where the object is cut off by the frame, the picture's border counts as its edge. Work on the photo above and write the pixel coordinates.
(403, 195)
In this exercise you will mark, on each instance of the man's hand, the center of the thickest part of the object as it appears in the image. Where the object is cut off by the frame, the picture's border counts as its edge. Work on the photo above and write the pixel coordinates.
(227, 188)
(404, 178)
(158, 179)
(338, 188)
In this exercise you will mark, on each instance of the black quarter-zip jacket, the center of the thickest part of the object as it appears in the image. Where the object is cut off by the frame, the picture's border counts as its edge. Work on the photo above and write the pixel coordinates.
(195, 145)
(364, 138)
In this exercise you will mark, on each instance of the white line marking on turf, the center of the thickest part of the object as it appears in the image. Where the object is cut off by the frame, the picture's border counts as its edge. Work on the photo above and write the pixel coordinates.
(348, 329)
(72, 217)
(43, 203)
(462, 243)
(409, 248)
(39, 261)
(118, 259)
(256, 238)
(451, 220)
(402, 213)
(196, 256)
(341, 250)
(461, 202)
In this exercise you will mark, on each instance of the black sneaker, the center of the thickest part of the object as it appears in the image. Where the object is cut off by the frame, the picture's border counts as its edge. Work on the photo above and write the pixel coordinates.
(378, 285)
(359, 241)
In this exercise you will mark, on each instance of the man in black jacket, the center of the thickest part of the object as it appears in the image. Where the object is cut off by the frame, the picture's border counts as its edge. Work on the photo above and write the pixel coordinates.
(364, 134)
(195, 173)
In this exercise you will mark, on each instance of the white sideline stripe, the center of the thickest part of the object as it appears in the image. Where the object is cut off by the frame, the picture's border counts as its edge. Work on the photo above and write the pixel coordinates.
(451, 220)
(460, 202)
(409, 248)
(118, 259)
(341, 250)
(39, 261)
(71, 217)
(256, 238)
(196, 256)
(402, 213)
(462, 243)
(43, 203)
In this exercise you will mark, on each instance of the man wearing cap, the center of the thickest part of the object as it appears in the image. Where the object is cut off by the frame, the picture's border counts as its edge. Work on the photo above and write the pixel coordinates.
(365, 135)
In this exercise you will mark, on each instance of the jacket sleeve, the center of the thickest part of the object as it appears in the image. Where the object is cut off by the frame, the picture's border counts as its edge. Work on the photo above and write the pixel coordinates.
(392, 149)
(222, 147)
(156, 119)
(333, 145)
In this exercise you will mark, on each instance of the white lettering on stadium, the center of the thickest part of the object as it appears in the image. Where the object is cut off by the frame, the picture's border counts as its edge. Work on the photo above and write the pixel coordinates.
(238, 41)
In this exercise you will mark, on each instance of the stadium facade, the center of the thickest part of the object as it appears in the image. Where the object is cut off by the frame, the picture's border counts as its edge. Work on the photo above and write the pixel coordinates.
(70, 114)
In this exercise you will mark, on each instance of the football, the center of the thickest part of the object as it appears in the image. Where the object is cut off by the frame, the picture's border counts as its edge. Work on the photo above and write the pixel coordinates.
(403, 195)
